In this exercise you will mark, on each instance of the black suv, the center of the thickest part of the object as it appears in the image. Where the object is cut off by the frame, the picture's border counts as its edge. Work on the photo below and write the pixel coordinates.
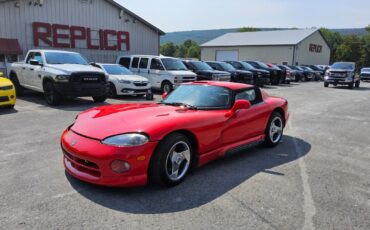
(275, 75)
(241, 76)
(260, 77)
(205, 72)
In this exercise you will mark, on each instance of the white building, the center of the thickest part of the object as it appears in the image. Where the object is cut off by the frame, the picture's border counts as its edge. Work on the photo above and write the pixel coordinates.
(100, 30)
(294, 47)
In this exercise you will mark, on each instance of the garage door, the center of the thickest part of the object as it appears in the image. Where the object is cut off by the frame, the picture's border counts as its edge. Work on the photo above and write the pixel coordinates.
(227, 55)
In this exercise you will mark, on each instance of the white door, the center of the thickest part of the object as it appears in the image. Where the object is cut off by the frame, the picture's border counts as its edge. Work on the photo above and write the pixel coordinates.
(156, 73)
(227, 55)
(144, 67)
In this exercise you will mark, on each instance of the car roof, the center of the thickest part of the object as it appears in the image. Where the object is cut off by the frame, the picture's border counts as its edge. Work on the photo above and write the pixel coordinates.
(230, 85)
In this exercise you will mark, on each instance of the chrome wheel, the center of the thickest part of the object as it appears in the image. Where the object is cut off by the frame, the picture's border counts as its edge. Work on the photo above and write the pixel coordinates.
(276, 129)
(178, 161)
(166, 88)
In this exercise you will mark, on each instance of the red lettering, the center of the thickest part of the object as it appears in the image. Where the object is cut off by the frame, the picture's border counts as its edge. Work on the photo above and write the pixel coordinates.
(107, 34)
(315, 48)
(101, 36)
(89, 40)
(43, 36)
(57, 36)
(77, 33)
(123, 37)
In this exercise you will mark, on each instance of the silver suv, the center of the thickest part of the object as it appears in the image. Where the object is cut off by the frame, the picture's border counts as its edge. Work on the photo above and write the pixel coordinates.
(342, 73)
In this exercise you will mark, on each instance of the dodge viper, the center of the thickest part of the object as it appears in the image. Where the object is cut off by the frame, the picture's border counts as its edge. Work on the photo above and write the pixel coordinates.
(7, 92)
(133, 144)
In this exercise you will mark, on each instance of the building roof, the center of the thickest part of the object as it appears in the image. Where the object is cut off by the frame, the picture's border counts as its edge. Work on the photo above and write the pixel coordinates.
(113, 2)
(261, 38)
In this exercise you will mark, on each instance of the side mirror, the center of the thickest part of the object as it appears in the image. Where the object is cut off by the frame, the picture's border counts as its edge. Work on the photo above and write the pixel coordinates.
(34, 62)
(241, 104)
(164, 95)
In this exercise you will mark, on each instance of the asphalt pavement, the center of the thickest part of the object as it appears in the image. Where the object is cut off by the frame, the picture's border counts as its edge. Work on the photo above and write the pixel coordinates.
(317, 178)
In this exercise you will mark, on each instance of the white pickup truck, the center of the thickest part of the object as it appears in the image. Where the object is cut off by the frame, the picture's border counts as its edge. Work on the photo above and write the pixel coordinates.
(59, 74)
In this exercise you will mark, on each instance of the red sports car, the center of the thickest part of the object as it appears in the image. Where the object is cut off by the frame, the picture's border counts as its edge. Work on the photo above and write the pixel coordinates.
(128, 145)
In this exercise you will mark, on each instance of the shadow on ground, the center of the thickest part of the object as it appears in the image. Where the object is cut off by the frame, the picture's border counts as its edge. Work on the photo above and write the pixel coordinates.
(203, 186)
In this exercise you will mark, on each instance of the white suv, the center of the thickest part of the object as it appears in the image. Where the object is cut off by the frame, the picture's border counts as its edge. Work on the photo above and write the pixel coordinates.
(123, 82)
(164, 73)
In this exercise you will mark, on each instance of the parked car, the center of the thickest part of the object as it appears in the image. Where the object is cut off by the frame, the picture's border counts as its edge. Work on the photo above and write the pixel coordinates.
(58, 74)
(342, 73)
(205, 72)
(299, 75)
(275, 75)
(316, 74)
(283, 78)
(320, 69)
(123, 82)
(241, 76)
(261, 77)
(163, 73)
(365, 74)
(7, 92)
(130, 145)
(290, 73)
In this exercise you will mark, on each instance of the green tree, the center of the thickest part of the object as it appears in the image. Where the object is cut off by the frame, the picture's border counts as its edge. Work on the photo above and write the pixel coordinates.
(193, 51)
(248, 29)
(367, 28)
(168, 49)
(350, 49)
(334, 39)
(181, 51)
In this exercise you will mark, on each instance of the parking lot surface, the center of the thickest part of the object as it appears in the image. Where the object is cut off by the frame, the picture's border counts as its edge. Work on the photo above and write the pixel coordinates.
(317, 178)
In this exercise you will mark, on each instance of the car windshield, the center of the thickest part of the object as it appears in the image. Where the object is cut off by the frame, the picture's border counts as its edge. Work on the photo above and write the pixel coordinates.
(56, 58)
(343, 65)
(227, 66)
(247, 66)
(173, 64)
(262, 64)
(203, 97)
(201, 65)
(116, 70)
(308, 68)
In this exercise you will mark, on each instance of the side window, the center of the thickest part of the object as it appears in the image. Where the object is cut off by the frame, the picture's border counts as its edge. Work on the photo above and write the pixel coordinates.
(125, 61)
(144, 63)
(212, 65)
(29, 57)
(189, 66)
(156, 65)
(252, 95)
(38, 57)
(219, 67)
(237, 65)
(135, 63)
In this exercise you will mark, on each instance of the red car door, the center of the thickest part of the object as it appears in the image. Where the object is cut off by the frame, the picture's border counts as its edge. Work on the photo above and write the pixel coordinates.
(249, 123)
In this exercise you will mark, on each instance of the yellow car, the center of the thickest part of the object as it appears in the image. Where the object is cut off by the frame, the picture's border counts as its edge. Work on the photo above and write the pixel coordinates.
(7, 92)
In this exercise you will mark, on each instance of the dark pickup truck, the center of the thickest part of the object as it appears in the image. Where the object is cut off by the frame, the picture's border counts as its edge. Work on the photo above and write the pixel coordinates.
(342, 73)
(241, 76)
(205, 73)
(275, 74)
(260, 77)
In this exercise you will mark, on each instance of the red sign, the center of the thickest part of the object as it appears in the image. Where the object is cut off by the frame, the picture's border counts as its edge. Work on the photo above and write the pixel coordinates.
(315, 48)
(64, 36)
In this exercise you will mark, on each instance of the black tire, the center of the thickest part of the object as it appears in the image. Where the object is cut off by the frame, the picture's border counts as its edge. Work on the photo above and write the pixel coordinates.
(326, 85)
(99, 99)
(357, 84)
(159, 167)
(19, 90)
(52, 97)
(166, 87)
(350, 86)
(112, 91)
(272, 140)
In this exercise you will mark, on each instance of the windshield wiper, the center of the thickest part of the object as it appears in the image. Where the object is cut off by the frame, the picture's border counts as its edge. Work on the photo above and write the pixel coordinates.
(180, 104)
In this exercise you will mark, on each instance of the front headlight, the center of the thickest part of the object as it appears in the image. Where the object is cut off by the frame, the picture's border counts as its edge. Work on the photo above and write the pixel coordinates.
(62, 78)
(124, 81)
(126, 140)
(327, 73)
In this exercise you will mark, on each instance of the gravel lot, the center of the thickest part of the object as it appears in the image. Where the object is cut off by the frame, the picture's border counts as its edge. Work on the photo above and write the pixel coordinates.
(318, 178)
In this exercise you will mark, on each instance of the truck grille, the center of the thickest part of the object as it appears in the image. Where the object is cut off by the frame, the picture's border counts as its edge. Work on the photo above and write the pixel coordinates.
(338, 74)
(87, 78)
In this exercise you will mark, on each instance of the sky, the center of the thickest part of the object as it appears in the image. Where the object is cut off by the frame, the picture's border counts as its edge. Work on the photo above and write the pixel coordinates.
(176, 15)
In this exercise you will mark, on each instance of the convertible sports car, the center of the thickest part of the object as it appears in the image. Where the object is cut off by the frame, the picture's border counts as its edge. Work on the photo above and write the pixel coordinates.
(132, 144)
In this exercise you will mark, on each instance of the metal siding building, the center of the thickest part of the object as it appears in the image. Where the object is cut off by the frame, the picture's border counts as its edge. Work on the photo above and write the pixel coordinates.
(295, 47)
(18, 18)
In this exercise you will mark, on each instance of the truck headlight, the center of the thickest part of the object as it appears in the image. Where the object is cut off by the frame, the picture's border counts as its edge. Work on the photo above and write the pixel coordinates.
(124, 81)
(126, 140)
(62, 78)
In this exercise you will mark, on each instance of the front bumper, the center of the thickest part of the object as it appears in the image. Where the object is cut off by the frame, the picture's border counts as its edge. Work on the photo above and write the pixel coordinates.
(339, 81)
(128, 89)
(7, 97)
(81, 89)
(365, 77)
(89, 160)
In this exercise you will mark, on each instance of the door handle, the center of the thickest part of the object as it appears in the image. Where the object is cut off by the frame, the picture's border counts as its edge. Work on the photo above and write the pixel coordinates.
(23, 67)
(31, 69)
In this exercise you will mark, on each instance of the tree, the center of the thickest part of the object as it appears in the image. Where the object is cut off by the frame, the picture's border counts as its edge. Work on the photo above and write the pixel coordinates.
(181, 51)
(168, 49)
(248, 29)
(193, 51)
(367, 28)
(350, 49)
(334, 39)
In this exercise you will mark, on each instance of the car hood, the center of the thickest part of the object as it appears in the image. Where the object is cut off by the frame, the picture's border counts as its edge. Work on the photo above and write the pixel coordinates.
(5, 82)
(187, 73)
(72, 68)
(341, 70)
(212, 72)
(102, 122)
(128, 77)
